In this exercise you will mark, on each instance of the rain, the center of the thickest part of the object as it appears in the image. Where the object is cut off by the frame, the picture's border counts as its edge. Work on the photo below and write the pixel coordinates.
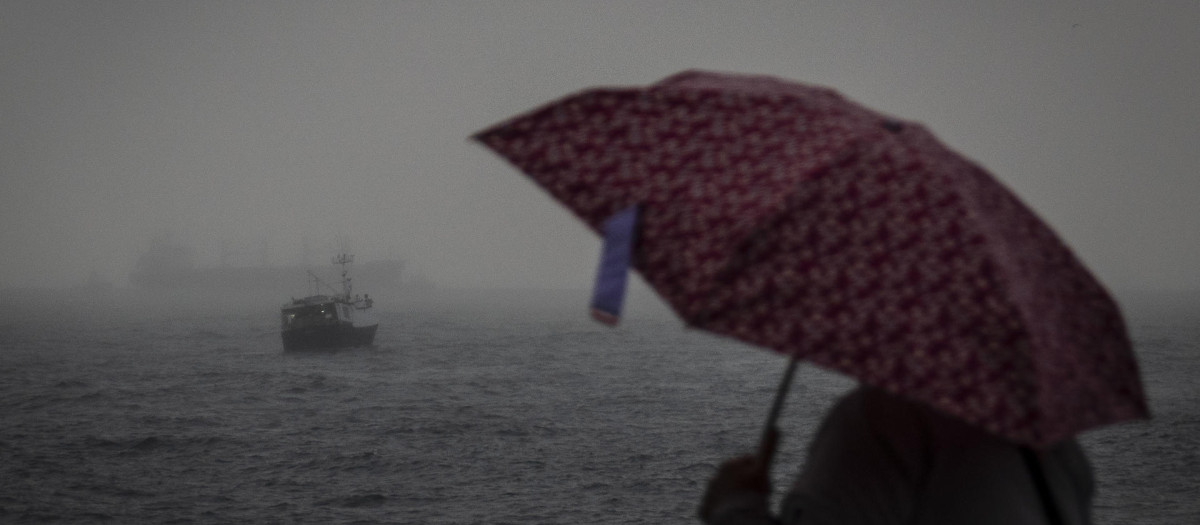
(172, 172)
(281, 133)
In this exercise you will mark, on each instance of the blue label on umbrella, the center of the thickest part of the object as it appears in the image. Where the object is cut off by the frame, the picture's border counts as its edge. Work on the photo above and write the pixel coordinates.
(609, 294)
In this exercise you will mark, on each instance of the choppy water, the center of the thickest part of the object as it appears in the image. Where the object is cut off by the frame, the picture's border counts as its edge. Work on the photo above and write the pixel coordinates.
(457, 415)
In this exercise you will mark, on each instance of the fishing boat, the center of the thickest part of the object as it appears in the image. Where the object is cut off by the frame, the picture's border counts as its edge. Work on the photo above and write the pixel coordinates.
(338, 320)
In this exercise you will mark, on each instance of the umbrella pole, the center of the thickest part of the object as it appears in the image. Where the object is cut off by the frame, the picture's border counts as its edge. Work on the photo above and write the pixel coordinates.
(766, 449)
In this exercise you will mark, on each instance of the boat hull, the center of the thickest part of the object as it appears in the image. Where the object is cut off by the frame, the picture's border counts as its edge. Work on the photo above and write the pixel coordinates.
(328, 337)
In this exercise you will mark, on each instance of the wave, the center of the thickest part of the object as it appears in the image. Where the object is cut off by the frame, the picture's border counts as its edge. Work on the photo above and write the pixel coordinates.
(148, 444)
(355, 501)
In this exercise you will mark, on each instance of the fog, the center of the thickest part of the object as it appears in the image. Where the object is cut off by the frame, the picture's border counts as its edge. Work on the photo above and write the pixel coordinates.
(280, 133)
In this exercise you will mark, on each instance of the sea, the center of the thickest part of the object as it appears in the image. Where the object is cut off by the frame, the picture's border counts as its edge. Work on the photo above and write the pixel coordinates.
(485, 408)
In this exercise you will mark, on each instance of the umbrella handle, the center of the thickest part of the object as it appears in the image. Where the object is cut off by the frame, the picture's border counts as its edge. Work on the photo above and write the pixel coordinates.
(766, 445)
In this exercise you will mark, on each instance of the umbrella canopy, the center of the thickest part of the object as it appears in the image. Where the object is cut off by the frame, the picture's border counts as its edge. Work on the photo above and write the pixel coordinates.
(791, 218)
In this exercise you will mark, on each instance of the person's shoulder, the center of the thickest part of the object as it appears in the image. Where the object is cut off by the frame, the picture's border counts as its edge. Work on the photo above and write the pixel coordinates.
(875, 411)
(916, 422)
(892, 418)
(877, 403)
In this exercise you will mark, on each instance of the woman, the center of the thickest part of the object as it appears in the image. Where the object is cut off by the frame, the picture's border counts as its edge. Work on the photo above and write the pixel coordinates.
(881, 459)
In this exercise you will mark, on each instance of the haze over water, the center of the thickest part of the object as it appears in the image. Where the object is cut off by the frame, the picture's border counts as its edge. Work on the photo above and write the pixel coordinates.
(282, 132)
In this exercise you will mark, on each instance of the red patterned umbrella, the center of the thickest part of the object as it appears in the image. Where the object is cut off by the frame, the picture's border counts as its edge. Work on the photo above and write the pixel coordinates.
(789, 217)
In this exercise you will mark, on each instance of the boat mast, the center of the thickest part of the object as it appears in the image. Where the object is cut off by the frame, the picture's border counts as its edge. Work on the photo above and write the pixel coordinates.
(343, 260)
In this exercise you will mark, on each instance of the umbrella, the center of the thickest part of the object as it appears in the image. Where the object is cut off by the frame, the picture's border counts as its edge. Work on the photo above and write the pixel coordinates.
(788, 217)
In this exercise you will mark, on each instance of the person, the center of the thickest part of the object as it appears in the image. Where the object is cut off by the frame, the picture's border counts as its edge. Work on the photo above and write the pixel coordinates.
(880, 459)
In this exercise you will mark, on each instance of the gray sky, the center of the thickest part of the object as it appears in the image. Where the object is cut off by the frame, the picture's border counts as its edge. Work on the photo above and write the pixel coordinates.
(233, 124)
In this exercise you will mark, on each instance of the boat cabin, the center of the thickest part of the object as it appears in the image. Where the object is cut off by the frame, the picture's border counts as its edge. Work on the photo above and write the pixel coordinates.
(316, 311)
